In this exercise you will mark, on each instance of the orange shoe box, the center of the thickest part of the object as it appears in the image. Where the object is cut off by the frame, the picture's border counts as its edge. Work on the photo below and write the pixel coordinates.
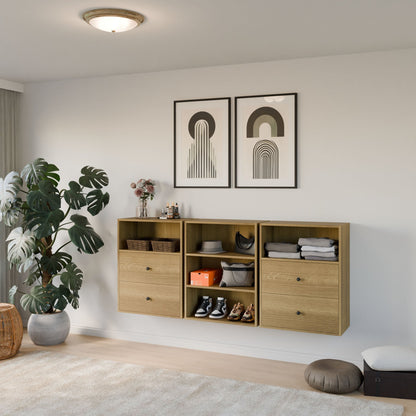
(206, 277)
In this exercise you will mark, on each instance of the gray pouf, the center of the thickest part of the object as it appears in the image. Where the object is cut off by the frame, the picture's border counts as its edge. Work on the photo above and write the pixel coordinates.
(333, 376)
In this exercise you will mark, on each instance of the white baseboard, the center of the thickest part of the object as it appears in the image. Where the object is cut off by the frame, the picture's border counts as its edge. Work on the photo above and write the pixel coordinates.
(190, 343)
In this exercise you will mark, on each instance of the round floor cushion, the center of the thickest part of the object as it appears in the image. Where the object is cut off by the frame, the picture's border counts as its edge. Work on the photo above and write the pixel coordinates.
(333, 376)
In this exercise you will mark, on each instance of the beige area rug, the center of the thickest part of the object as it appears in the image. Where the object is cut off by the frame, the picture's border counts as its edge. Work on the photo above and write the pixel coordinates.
(48, 383)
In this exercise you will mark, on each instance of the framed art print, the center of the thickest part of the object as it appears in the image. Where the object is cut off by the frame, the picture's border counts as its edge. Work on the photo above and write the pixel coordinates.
(202, 143)
(265, 141)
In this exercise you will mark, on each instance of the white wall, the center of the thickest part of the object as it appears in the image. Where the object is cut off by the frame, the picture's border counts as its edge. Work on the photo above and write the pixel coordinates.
(356, 163)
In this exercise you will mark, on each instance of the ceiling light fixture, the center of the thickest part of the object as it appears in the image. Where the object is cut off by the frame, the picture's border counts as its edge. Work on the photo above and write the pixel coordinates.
(113, 20)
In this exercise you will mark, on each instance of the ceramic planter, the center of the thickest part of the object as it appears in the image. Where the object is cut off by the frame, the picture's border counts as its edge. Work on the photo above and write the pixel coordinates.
(49, 328)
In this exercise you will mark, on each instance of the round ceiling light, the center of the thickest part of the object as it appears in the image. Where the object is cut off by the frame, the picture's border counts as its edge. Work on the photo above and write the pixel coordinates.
(113, 20)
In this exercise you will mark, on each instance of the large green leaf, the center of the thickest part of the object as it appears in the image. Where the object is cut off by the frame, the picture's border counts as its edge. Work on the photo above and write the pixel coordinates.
(9, 188)
(60, 296)
(39, 170)
(22, 244)
(12, 293)
(72, 277)
(93, 177)
(45, 197)
(37, 301)
(84, 236)
(44, 223)
(97, 201)
(55, 263)
(74, 197)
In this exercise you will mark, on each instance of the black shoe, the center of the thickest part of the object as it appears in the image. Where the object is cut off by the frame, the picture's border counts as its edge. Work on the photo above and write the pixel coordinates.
(204, 308)
(220, 309)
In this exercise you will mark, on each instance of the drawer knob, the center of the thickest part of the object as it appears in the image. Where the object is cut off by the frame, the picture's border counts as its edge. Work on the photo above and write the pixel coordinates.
(148, 268)
(148, 299)
(298, 279)
(298, 313)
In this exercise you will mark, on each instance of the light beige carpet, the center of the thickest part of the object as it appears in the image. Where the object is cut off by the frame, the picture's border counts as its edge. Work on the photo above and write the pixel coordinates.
(48, 383)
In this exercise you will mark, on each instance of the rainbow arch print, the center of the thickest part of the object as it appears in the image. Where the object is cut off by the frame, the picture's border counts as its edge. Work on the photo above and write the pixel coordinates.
(268, 115)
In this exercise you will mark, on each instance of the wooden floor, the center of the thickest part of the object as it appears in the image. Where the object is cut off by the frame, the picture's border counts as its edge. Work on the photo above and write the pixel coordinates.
(220, 365)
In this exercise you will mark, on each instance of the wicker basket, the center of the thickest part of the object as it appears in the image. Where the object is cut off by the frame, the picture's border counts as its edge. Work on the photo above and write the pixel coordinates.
(168, 245)
(141, 245)
(11, 331)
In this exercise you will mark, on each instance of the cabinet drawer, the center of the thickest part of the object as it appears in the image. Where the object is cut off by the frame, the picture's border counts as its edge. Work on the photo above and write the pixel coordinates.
(303, 278)
(149, 268)
(150, 299)
(299, 313)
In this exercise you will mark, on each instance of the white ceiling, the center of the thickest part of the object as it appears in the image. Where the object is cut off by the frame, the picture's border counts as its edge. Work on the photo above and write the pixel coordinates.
(47, 39)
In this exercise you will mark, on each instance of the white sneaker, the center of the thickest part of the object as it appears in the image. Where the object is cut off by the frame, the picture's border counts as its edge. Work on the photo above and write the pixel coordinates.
(204, 308)
(220, 309)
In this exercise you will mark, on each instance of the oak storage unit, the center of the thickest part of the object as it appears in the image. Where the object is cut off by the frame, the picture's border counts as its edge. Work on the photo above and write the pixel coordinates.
(292, 294)
(150, 282)
(305, 295)
(199, 230)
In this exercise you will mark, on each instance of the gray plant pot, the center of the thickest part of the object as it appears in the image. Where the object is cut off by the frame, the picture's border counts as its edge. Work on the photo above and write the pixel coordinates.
(49, 328)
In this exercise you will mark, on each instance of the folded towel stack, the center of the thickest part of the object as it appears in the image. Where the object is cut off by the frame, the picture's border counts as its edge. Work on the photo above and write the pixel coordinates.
(323, 249)
(282, 250)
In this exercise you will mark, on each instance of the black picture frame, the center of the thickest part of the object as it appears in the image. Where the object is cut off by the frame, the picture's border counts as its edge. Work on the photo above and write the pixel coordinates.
(202, 143)
(266, 160)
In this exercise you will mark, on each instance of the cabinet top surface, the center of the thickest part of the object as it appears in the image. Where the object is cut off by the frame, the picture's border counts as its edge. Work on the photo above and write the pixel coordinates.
(267, 223)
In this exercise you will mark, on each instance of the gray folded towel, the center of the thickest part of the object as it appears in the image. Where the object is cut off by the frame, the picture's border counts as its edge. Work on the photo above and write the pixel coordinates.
(321, 258)
(318, 254)
(284, 247)
(283, 255)
(320, 242)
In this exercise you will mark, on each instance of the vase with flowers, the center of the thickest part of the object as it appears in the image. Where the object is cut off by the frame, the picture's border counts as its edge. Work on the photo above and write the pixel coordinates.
(144, 189)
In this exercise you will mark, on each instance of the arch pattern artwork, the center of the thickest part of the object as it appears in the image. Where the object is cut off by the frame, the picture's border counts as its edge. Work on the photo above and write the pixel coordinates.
(266, 141)
(201, 161)
(265, 160)
(267, 115)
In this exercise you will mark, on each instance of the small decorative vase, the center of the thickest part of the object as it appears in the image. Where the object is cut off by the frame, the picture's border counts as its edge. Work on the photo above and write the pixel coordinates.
(48, 328)
(141, 210)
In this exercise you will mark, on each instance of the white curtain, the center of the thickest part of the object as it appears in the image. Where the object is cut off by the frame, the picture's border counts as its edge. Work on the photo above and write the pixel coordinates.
(9, 110)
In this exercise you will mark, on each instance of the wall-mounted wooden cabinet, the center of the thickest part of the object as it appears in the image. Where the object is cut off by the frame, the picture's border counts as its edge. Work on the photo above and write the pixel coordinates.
(294, 294)
(305, 295)
(150, 282)
(197, 231)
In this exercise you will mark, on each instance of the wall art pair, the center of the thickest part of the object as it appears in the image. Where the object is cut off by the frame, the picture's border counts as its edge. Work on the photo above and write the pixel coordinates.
(265, 142)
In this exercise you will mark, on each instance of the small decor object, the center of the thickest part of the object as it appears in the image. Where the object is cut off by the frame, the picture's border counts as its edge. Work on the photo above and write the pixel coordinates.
(31, 203)
(244, 245)
(265, 141)
(11, 331)
(333, 376)
(144, 189)
(237, 274)
(202, 143)
(211, 247)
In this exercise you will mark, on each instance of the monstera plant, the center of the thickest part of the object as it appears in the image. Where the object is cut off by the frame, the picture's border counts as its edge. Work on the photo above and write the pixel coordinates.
(44, 221)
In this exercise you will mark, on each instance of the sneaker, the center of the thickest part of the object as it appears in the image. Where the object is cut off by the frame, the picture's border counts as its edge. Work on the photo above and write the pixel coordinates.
(237, 312)
(204, 308)
(220, 309)
(248, 314)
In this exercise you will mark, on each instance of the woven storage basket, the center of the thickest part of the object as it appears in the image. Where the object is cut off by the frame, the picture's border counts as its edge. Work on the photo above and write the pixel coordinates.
(142, 245)
(11, 331)
(169, 245)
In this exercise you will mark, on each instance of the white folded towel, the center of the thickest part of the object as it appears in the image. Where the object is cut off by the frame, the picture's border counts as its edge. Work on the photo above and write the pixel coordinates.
(321, 249)
(318, 254)
(283, 255)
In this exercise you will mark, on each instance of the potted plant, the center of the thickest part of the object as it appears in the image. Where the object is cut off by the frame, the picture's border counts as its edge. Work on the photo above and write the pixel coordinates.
(144, 189)
(42, 226)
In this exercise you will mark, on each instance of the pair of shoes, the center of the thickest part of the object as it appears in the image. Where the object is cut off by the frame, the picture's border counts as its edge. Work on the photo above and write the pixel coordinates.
(238, 313)
(205, 308)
